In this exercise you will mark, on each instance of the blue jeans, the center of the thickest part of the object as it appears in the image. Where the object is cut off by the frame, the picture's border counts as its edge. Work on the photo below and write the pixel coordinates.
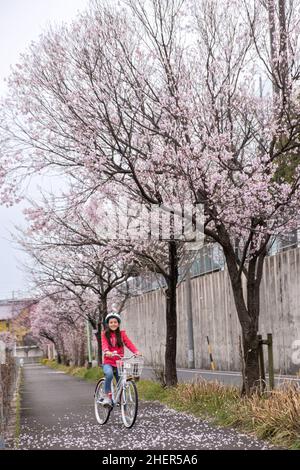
(109, 372)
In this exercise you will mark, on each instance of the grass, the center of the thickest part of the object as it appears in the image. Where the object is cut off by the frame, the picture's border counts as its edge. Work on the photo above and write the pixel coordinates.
(274, 416)
(92, 375)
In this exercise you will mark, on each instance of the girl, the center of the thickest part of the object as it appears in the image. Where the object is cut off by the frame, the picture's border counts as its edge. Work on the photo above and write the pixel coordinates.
(113, 341)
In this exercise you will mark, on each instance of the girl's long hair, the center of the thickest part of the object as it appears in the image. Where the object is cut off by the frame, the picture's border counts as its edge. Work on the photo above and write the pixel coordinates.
(118, 336)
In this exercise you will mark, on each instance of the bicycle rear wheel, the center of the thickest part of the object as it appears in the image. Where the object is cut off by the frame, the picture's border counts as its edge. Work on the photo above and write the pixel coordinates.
(129, 403)
(101, 412)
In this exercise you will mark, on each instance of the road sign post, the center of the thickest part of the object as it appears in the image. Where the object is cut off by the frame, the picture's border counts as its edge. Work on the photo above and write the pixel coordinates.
(261, 363)
(268, 342)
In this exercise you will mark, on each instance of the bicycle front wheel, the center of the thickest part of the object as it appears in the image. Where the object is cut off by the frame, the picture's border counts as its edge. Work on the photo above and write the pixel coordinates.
(101, 412)
(129, 403)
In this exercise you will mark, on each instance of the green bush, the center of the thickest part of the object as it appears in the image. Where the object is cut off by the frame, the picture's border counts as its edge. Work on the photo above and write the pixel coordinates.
(93, 374)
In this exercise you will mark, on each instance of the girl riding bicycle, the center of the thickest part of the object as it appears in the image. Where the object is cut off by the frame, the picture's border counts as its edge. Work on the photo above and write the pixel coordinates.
(113, 342)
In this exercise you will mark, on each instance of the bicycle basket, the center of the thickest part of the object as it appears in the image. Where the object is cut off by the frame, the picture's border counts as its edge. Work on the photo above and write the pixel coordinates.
(133, 366)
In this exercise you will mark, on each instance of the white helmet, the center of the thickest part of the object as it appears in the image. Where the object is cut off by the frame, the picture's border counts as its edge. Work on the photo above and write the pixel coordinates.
(112, 315)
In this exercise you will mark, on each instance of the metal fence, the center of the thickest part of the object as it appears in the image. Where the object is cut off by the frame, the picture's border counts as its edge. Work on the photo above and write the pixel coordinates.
(208, 259)
(8, 380)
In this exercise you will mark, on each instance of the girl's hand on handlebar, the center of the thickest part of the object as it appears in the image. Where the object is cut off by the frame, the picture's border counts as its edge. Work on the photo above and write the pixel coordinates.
(112, 354)
(108, 354)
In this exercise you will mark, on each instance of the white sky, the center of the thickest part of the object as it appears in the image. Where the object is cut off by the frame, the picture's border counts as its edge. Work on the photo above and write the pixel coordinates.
(21, 21)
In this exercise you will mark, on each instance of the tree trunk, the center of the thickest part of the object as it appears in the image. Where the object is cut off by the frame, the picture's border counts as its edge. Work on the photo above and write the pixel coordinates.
(248, 315)
(98, 325)
(65, 360)
(250, 331)
(81, 359)
(74, 355)
(249, 328)
(59, 359)
(171, 317)
(63, 354)
(102, 309)
(251, 380)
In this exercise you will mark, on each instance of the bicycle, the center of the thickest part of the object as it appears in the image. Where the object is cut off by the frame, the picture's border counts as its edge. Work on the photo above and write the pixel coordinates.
(126, 396)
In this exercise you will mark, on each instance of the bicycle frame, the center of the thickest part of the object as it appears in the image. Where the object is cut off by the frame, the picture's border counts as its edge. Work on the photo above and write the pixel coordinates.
(121, 385)
(123, 394)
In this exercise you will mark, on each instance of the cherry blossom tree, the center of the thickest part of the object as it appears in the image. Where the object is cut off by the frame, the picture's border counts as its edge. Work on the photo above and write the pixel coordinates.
(8, 338)
(69, 255)
(137, 237)
(58, 320)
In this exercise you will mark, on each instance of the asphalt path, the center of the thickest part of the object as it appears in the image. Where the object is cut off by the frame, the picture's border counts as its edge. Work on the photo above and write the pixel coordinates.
(57, 412)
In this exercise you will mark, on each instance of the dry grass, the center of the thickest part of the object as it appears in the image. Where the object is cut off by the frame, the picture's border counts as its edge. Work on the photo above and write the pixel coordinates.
(203, 398)
(274, 416)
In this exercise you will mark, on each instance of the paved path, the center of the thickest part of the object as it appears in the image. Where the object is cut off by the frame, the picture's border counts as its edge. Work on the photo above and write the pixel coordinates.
(57, 413)
(226, 377)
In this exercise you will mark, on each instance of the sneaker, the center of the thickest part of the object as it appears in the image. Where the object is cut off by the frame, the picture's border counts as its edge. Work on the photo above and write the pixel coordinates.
(106, 401)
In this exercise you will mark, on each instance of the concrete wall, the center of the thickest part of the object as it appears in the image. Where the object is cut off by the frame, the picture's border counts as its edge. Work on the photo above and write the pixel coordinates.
(214, 315)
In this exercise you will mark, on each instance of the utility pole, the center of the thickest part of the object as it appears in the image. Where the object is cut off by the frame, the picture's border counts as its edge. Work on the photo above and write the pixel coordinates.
(89, 344)
(189, 307)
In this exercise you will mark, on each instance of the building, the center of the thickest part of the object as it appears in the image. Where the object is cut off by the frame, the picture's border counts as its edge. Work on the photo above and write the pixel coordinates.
(10, 309)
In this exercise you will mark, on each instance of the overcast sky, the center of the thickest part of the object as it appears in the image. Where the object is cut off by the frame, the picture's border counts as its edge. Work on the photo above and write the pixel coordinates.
(21, 21)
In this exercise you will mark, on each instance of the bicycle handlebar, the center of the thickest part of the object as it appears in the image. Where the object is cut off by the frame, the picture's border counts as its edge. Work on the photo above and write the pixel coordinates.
(124, 357)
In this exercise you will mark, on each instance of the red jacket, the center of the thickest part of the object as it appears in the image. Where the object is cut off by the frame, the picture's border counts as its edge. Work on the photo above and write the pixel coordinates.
(114, 348)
